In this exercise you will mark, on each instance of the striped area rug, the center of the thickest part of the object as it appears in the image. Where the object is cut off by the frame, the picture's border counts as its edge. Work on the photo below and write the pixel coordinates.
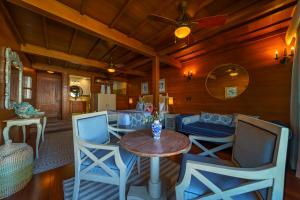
(89, 190)
(55, 151)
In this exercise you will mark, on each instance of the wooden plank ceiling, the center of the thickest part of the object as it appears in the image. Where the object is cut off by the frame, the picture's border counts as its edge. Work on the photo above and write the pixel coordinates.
(247, 20)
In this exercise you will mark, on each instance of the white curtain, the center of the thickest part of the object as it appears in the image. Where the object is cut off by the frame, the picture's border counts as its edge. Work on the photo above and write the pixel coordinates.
(294, 153)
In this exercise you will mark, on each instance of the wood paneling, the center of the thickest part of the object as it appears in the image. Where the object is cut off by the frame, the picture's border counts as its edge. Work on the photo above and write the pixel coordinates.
(267, 96)
(49, 94)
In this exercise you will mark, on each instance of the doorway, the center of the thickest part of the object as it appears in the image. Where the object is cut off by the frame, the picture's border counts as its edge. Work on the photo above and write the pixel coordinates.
(49, 94)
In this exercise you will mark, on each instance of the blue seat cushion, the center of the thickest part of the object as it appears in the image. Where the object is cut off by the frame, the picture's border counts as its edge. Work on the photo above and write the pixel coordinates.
(208, 129)
(128, 159)
(197, 189)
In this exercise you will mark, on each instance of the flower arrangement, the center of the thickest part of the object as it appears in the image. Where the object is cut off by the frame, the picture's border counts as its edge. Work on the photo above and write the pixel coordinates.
(154, 117)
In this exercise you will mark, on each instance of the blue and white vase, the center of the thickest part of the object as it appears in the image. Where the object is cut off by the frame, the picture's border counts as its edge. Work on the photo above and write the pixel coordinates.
(156, 129)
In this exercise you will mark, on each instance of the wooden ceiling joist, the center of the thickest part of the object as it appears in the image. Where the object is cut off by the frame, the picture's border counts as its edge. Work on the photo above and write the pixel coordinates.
(74, 34)
(60, 69)
(60, 12)
(8, 17)
(41, 51)
(93, 47)
(45, 31)
(121, 11)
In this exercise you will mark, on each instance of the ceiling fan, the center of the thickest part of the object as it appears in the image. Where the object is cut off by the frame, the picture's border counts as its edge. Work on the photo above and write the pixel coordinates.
(112, 67)
(185, 22)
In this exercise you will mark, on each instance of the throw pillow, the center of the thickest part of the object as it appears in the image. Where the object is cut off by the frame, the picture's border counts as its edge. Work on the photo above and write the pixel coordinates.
(190, 119)
(148, 107)
(140, 106)
(215, 118)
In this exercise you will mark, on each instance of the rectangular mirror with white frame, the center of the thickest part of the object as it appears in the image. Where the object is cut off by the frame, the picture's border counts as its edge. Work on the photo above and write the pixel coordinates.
(13, 78)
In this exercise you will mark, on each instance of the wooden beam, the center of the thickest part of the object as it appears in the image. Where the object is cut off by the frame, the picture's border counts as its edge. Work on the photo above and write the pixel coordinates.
(60, 69)
(74, 34)
(41, 51)
(155, 81)
(61, 12)
(119, 14)
(11, 22)
(138, 63)
(170, 61)
(37, 50)
(45, 32)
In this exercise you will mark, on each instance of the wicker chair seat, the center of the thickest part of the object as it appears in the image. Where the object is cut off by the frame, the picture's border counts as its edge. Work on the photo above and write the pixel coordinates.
(16, 163)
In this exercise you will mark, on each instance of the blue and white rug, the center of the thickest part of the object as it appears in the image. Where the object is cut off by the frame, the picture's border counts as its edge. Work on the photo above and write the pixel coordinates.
(56, 151)
(89, 190)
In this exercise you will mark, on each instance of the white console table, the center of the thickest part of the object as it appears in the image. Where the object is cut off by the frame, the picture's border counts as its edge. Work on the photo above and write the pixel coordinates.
(40, 124)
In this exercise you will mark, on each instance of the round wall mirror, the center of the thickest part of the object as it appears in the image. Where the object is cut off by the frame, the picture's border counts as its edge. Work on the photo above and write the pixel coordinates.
(227, 81)
(75, 91)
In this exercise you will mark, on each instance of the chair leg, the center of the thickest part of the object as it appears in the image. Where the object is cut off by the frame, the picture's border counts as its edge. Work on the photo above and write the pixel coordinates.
(76, 188)
(122, 188)
(138, 163)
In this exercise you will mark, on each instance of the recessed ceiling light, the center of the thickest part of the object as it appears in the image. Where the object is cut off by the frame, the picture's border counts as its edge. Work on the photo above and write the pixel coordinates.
(50, 72)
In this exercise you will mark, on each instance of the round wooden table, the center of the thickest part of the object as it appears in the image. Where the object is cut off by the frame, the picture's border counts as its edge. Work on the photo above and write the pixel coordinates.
(141, 143)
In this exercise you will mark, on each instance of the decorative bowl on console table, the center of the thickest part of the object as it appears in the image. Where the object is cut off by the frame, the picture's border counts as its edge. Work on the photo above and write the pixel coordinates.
(26, 110)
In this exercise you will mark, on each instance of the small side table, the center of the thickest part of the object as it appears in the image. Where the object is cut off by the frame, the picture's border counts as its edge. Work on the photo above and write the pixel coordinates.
(170, 122)
(23, 123)
(141, 143)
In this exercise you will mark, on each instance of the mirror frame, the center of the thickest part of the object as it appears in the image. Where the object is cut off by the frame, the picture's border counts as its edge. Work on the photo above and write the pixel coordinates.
(224, 65)
(12, 58)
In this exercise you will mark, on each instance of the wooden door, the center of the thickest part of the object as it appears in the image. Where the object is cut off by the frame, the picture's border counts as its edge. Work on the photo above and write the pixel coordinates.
(49, 94)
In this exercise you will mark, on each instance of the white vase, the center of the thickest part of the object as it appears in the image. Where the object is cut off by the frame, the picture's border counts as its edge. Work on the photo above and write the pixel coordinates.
(102, 90)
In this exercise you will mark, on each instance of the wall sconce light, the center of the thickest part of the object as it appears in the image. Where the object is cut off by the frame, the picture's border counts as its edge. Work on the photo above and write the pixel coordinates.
(285, 59)
(171, 101)
(130, 101)
(188, 75)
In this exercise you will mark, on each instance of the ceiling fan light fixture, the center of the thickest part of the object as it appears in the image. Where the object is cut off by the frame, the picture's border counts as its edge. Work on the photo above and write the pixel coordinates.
(182, 31)
(111, 70)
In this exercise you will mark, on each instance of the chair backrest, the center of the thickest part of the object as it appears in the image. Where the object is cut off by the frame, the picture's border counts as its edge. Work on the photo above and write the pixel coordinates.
(258, 142)
(92, 127)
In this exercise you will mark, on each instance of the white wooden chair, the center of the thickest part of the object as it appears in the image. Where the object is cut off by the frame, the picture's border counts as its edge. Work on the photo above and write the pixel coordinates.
(96, 159)
(225, 142)
(256, 171)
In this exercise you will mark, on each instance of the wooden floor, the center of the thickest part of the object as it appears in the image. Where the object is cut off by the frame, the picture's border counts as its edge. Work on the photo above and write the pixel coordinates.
(48, 185)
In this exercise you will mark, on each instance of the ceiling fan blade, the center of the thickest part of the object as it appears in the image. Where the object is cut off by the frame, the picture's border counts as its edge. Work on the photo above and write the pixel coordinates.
(212, 21)
(159, 18)
(119, 65)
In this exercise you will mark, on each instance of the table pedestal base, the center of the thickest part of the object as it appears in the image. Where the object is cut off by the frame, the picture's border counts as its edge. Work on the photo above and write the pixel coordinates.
(141, 193)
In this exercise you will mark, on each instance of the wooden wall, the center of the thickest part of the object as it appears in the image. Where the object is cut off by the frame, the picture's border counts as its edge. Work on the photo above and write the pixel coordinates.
(7, 39)
(268, 94)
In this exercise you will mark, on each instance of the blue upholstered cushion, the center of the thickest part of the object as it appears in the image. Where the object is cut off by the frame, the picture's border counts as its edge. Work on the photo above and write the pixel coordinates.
(207, 129)
(196, 188)
(93, 129)
(128, 159)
